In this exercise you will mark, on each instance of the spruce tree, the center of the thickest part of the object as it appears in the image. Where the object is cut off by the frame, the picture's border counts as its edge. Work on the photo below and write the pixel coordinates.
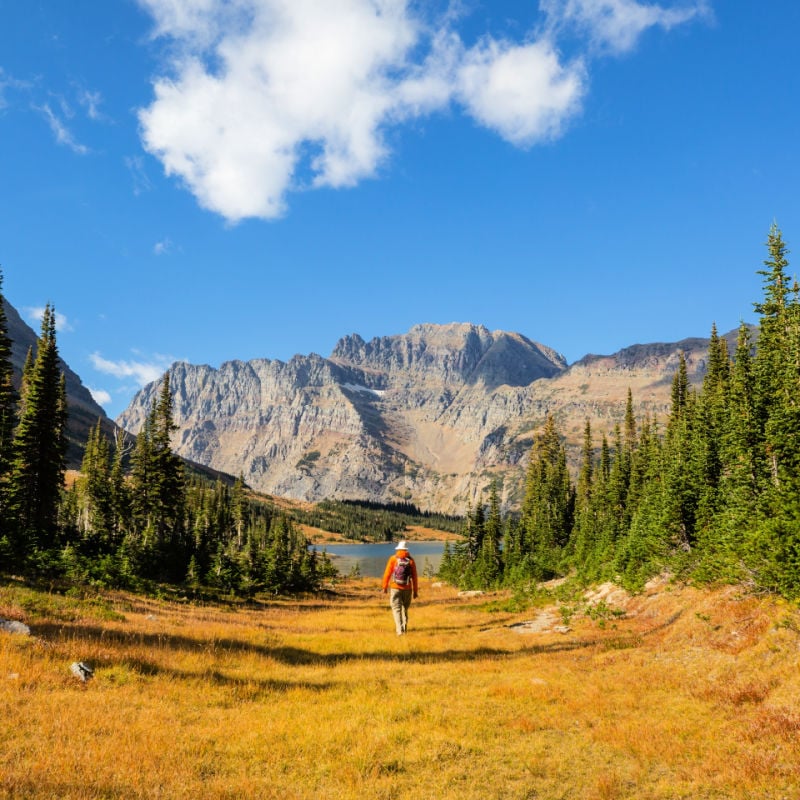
(548, 506)
(777, 394)
(167, 471)
(583, 539)
(142, 492)
(8, 397)
(491, 553)
(37, 470)
(97, 517)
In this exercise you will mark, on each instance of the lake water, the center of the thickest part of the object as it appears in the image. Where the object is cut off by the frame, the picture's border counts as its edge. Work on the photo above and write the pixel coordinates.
(372, 558)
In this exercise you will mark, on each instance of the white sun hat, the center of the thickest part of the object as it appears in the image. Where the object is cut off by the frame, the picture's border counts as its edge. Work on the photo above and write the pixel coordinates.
(401, 545)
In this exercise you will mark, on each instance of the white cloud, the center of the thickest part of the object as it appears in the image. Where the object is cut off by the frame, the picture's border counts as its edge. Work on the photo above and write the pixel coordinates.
(522, 92)
(304, 88)
(101, 396)
(616, 25)
(141, 181)
(35, 314)
(91, 101)
(62, 134)
(143, 372)
(163, 247)
(266, 97)
(9, 82)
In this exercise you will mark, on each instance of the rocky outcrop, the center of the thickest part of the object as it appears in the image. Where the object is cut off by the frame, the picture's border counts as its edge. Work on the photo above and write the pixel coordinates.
(431, 416)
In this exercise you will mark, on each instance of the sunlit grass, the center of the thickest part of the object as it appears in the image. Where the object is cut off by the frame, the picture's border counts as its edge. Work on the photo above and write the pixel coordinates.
(687, 695)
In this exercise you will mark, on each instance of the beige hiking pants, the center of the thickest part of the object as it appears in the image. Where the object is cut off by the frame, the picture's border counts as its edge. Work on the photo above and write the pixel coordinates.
(400, 600)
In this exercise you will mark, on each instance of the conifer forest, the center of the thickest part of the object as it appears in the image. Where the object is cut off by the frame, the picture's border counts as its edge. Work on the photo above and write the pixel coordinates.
(711, 493)
(134, 515)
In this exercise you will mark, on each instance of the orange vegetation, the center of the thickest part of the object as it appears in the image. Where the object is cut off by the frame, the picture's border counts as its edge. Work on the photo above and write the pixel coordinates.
(675, 693)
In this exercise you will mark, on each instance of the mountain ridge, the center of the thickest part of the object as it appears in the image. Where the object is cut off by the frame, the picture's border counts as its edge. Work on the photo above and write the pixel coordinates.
(431, 416)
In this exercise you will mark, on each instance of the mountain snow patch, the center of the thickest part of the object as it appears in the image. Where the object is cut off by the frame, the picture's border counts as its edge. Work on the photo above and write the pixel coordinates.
(354, 387)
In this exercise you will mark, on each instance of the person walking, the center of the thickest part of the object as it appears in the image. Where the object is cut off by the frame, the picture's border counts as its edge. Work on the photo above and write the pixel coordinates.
(400, 581)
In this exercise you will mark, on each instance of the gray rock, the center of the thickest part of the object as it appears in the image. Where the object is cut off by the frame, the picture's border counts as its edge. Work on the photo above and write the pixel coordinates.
(82, 671)
(422, 417)
(12, 626)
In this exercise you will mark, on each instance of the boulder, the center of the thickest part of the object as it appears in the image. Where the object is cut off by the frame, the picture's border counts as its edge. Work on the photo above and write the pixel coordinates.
(13, 626)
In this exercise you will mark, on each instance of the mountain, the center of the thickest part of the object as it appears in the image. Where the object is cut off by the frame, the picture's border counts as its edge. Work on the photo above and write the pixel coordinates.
(429, 417)
(83, 410)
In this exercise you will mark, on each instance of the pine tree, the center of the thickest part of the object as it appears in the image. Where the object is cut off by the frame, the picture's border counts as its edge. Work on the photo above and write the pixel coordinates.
(548, 506)
(680, 463)
(777, 394)
(583, 540)
(118, 491)
(491, 552)
(167, 471)
(37, 471)
(142, 490)
(708, 432)
(773, 329)
(8, 397)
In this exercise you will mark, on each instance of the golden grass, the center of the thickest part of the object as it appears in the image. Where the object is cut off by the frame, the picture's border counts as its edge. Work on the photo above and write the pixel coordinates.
(690, 695)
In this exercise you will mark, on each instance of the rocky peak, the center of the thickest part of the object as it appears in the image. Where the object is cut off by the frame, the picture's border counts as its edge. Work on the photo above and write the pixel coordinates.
(428, 416)
(451, 355)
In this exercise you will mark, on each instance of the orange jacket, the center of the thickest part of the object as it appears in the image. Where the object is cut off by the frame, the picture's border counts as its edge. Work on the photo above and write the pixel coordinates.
(389, 571)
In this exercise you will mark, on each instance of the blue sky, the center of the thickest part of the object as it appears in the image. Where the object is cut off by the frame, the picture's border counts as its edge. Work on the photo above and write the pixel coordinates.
(204, 181)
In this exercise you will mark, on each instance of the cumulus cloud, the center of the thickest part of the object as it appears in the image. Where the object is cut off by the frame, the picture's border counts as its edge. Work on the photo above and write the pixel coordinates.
(100, 396)
(142, 372)
(266, 97)
(616, 25)
(522, 92)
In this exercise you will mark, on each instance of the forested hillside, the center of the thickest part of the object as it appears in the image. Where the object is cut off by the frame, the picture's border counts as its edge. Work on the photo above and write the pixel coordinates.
(714, 493)
(127, 526)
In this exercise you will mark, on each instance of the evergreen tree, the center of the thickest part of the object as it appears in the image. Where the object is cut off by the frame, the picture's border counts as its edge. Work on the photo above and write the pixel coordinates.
(770, 363)
(680, 464)
(491, 551)
(8, 406)
(548, 504)
(119, 495)
(712, 413)
(97, 517)
(142, 483)
(8, 397)
(37, 470)
(168, 480)
(584, 534)
(777, 395)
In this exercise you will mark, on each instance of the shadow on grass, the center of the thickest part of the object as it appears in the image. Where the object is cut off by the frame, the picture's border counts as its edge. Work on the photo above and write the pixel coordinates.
(89, 790)
(65, 635)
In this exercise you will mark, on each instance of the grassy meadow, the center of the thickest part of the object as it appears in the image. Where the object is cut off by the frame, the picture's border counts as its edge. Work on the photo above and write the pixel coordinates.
(675, 693)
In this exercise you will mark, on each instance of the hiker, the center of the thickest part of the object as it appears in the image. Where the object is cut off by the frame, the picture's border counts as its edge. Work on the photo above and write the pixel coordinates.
(400, 580)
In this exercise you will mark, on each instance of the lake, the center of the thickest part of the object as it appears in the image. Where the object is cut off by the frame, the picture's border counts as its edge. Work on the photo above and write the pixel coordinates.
(371, 558)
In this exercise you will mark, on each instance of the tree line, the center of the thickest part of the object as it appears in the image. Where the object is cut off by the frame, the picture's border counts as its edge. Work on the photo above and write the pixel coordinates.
(133, 514)
(711, 493)
(366, 521)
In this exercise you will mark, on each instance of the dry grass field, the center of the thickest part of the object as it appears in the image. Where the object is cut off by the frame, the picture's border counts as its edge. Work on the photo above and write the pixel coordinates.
(675, 693)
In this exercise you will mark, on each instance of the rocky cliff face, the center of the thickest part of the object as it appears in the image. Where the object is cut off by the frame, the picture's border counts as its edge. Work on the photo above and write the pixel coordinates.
(430, 416)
